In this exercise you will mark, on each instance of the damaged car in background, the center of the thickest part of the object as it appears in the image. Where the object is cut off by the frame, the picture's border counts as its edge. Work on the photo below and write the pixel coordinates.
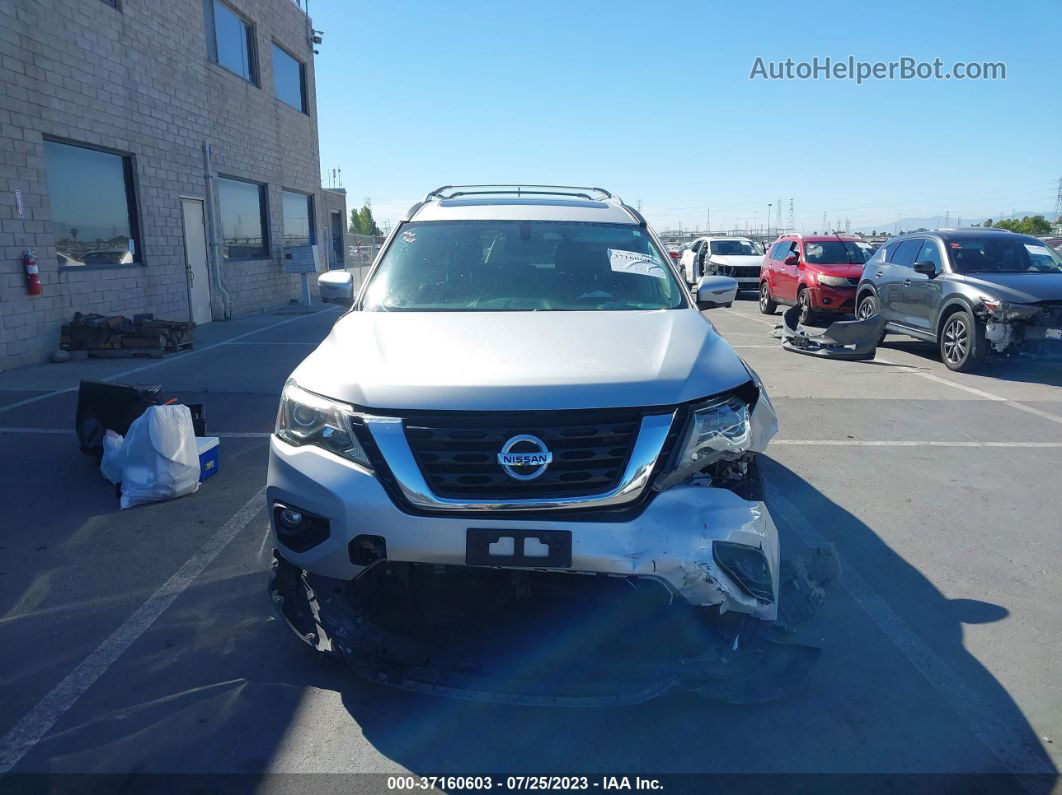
(524, 467)
(976, 293)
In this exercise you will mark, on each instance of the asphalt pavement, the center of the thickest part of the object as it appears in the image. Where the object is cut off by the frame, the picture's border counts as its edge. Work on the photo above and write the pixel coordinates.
(143, 641)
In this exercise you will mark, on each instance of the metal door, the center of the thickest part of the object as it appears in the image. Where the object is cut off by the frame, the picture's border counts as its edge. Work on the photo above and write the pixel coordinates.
(195, 256)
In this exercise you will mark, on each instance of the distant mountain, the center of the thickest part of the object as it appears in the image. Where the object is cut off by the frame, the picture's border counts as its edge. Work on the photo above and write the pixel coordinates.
(937, 221)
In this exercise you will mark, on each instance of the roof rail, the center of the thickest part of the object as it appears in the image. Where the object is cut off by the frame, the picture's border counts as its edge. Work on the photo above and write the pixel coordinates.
(453, 191)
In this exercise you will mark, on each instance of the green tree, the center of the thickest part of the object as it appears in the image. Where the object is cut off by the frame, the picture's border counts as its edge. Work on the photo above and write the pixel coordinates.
(355, 222)
(1029, 225)
(1036, 225)
(368, 224)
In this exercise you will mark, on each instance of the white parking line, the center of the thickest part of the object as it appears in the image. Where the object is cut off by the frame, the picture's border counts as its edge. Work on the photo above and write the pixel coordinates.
(980, 393)
(38, 722)
(1004, 743)
(161, 362)
(777, 322)
(936, 378)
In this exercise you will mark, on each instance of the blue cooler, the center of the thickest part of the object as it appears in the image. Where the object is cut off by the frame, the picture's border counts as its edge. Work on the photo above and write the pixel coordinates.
(208, 456)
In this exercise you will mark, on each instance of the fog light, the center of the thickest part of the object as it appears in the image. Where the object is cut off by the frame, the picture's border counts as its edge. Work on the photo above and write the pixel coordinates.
(827, 301)
(747, 566)
(290, 519)
(297, 529)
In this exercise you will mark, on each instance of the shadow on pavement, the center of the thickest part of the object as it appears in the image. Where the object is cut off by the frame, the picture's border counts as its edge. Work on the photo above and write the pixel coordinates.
(1028, 372)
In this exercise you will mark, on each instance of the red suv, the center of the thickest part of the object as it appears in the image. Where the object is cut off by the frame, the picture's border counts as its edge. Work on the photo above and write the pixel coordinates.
(818, 272)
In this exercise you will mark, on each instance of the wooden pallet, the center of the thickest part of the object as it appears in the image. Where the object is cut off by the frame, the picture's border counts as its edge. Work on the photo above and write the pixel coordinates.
(129, 353)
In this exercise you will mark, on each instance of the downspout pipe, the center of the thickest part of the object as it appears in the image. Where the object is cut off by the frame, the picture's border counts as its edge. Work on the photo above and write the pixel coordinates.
(212, 233)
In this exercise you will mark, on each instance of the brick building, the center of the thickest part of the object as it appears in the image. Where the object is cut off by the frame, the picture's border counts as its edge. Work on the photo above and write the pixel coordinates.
(159, 157)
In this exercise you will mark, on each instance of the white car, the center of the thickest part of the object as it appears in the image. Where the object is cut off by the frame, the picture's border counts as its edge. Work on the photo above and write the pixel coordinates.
(737, 257)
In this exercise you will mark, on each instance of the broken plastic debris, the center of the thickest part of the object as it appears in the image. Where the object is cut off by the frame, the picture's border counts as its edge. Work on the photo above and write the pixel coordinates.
(844, 339)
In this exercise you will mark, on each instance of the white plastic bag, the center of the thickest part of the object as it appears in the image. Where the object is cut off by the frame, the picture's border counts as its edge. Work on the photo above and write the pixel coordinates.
(161, 460)
(113, 456)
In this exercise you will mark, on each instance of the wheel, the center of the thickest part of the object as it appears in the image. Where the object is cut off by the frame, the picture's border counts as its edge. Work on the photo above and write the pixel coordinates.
(962, 342)
(807, 314)
(767, 306)
(867, 308)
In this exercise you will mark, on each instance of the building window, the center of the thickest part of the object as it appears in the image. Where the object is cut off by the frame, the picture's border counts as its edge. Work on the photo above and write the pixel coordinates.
(232, 42)
(243, 219)
(93, 206)
(289, 79)
(298, 218)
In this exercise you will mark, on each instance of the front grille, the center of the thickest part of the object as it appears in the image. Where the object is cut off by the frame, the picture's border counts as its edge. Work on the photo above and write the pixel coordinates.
(740, 270)
(457, 452)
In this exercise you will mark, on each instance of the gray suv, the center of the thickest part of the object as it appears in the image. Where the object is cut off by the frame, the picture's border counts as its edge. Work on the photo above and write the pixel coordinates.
(973, 292)
(523, 387)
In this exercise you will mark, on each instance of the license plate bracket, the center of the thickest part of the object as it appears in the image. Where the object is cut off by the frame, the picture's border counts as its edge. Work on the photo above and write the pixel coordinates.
(533, 549)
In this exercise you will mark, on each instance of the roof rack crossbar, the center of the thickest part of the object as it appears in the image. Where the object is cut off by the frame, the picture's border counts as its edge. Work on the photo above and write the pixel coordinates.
(453, 191)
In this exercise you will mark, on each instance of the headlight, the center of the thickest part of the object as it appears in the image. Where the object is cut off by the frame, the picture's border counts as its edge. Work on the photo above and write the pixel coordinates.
(718, 429)
(305, 418)
(1005, 310)
(833, 281)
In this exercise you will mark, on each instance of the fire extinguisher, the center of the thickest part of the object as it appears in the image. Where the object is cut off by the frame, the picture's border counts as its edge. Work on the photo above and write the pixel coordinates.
(33, 273)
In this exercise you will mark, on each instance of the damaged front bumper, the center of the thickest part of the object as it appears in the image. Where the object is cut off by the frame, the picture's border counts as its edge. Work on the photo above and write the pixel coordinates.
(506, 638)
(671, 541)
(843, 339)
(1028, 331)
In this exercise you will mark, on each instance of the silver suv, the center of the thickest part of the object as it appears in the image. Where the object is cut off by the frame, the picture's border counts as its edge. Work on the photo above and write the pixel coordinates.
(522, 387)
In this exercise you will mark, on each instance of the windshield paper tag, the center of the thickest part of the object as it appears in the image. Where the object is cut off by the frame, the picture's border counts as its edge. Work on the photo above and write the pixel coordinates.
(623, 261)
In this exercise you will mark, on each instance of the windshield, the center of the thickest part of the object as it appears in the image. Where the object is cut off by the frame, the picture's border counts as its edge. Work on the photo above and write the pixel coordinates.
(1003, 254)
(836, 252)
(498, 266)
(736, 248)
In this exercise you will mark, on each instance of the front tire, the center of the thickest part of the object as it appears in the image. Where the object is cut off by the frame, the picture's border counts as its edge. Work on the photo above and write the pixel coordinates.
(807, 314)
(868, 307)
(767, 306)
(961, 342)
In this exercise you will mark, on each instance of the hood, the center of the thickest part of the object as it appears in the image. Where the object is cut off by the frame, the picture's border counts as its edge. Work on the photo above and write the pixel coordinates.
(738, 261)
(1023, 288)
(521, 360)
(846, 270)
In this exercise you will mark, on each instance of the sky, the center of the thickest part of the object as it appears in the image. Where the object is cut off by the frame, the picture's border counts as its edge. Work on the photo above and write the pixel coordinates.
(654, 102)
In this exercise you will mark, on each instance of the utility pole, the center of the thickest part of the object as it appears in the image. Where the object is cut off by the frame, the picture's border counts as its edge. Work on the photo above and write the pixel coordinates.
(791, 226)
(778, 217)
(825, 224)
(769, 206)
(1058, 204)
(709, 221)
(947, 218)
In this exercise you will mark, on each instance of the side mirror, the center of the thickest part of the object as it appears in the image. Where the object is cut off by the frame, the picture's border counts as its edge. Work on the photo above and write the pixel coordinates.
(792, 259)
(337, 287)
(926, 269)
(716, 291)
